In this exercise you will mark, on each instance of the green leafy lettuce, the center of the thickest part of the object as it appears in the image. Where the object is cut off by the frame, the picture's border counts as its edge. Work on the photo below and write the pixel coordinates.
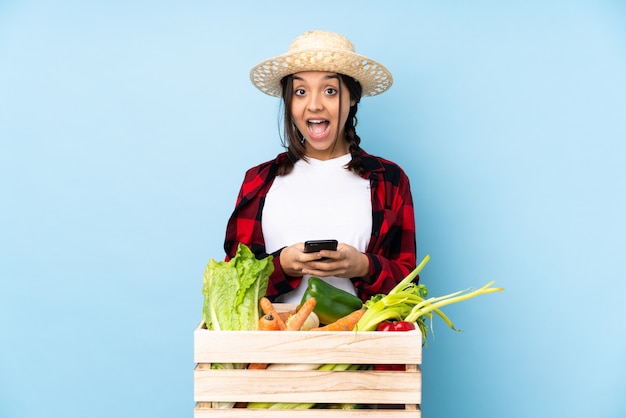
(232, 290)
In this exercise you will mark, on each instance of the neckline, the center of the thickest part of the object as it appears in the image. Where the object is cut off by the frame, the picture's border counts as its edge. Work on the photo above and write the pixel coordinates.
(341, 160)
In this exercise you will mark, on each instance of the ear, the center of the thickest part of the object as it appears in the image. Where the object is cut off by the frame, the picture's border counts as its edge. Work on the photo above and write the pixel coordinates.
(352, 102)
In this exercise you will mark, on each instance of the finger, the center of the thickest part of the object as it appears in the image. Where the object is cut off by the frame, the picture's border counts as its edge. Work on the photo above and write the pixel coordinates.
(329, 254)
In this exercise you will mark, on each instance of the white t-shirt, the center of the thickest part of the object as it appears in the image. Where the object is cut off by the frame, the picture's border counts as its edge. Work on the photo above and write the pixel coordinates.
(318, 200)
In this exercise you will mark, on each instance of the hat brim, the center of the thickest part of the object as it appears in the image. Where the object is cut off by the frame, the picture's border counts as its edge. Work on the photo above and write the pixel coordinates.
(373, 76)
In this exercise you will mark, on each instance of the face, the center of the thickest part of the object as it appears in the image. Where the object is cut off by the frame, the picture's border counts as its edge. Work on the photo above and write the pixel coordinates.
(319, 114)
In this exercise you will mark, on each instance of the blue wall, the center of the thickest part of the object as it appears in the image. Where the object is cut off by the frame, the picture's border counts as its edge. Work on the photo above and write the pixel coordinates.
(125, 129)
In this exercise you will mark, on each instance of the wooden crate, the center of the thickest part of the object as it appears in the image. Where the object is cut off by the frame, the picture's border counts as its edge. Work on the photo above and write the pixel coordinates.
(385, 393)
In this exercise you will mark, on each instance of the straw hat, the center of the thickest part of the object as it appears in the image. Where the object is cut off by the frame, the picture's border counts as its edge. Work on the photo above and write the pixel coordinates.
(321, 51)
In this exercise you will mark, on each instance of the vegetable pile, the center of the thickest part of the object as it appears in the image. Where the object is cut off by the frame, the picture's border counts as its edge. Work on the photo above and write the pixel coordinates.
(234, 299)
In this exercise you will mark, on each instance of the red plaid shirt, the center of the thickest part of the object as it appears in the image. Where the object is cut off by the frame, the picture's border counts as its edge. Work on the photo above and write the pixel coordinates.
(391, 250)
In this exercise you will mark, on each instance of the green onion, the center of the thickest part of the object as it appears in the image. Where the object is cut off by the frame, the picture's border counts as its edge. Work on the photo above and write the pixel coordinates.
(408, 301)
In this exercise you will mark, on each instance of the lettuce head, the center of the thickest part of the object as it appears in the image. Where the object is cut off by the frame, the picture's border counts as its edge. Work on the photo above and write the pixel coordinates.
(232, 290)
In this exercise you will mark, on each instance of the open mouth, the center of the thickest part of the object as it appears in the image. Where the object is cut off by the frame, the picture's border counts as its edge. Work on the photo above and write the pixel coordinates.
(318, 128)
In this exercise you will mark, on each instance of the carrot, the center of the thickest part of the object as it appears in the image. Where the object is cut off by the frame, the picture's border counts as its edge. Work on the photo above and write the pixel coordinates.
(296, 321)
(268, 323)
(346, 323)
(257, 366)
(267, 307)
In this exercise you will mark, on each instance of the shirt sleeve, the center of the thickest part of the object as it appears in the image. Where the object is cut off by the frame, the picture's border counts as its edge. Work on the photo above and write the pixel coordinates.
(244, 226)
(392, 249)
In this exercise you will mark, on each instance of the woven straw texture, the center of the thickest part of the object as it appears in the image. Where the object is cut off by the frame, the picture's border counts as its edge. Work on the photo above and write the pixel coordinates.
(321, 51)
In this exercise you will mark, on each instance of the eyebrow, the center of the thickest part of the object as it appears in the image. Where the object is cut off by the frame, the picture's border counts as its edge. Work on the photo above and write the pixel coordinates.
(328, 77)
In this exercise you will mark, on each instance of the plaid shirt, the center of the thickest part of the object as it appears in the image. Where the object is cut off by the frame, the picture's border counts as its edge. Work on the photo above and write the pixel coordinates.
(391, 250)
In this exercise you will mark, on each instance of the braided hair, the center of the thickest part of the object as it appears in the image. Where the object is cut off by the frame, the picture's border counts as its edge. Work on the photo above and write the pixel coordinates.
(293, 140)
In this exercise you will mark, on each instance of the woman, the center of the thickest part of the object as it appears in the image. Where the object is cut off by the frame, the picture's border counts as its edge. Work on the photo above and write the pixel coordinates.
(324, 186)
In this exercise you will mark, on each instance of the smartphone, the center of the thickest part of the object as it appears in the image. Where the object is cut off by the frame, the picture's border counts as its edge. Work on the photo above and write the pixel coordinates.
(321, 244)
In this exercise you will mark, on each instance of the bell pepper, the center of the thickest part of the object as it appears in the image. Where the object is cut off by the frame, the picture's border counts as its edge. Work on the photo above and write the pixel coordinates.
(331, 303)
(393, 326)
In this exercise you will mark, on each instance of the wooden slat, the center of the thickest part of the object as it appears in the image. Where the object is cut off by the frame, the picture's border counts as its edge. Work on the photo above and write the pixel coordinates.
(315, 386)
(308, 413)
(307, 347)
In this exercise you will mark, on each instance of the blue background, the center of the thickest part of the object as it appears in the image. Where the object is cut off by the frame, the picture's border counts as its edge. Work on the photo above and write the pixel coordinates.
(125, 130)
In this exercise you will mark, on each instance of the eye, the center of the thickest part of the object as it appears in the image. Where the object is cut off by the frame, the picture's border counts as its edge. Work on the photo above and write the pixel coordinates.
(299, 92)
(331, 91)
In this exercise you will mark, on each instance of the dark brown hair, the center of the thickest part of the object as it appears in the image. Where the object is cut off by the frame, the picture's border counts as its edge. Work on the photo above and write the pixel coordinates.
(292, 139)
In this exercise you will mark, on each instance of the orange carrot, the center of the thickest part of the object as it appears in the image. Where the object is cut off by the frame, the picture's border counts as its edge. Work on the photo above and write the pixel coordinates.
(257, 366)
(268, 323)
(346, 323)
(296, 321)
(267, 307)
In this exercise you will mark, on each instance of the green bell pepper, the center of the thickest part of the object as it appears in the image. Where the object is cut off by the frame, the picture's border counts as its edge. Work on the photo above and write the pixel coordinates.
(331, 303)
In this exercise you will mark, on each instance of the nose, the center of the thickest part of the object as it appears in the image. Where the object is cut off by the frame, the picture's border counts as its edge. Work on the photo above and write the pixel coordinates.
(315, 102)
